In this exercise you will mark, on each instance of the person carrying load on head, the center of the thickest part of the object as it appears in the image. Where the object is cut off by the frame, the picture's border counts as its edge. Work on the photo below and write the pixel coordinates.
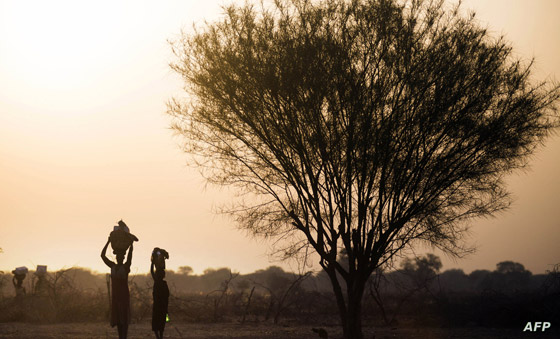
(160, 292)
(120, 239)
(41, 287)
(17, 280)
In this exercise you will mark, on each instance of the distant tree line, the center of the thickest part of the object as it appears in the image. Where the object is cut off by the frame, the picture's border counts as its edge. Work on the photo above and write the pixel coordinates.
(418, 293)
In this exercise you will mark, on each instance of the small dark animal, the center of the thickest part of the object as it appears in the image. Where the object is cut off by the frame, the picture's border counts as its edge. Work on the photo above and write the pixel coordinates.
(321, 332)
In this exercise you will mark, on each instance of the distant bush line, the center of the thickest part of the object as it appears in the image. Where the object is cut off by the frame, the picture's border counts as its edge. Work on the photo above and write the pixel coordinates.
(417, 294)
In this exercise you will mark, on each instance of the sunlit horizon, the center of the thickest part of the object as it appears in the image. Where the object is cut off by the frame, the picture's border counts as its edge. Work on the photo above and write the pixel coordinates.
(85, 141)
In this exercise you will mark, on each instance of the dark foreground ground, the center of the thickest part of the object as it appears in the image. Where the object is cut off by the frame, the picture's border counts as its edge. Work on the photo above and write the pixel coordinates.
(104, 331)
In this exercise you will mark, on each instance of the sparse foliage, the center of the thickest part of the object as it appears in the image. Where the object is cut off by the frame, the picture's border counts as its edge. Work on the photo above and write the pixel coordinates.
(222, 295)
(187, 270)
(416, 275)
(506, 267)
(363, 125)
(282, 290)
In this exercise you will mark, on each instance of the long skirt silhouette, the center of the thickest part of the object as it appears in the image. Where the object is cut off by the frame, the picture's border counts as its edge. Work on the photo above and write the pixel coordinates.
(120, 306)
(159, 310)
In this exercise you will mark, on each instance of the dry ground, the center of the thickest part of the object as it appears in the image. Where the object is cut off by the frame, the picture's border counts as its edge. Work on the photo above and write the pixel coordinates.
(253, 331)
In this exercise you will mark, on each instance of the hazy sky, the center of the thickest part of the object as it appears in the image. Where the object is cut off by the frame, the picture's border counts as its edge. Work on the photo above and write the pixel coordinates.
(84, 141)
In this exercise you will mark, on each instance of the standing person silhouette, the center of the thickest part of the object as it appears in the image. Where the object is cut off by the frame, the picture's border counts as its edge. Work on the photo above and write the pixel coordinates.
(17, 281)
(161, 300)
(120, 296)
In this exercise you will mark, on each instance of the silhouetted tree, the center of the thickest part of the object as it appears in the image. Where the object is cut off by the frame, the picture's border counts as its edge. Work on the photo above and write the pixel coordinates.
(421, 271)
(510, 276)
(283, 289)
(550, 290)
(361, 125)
(186, 270)
(416, 275)
(455, 280)
(222, 293)
(506, 267)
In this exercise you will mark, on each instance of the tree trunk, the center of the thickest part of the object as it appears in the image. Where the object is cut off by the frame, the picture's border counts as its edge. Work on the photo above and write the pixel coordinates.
(248, 304)
(350, 306)
(352, 325)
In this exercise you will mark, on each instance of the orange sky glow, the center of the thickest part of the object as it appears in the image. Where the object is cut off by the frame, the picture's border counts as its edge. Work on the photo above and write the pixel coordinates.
(85, 141)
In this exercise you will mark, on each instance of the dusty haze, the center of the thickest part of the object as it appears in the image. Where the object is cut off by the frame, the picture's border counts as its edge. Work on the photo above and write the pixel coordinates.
(84, 141)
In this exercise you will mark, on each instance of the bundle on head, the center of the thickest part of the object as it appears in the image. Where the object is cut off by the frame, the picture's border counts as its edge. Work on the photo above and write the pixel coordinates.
(20, 272)
(41, 270)
(121, 238)
(158, 257)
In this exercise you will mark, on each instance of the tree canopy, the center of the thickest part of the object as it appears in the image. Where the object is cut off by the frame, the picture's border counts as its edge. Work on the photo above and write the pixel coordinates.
(361, 125)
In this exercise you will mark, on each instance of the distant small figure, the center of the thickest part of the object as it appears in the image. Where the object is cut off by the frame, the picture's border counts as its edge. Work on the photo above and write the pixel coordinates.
(43, 307)
(42, 286)
(120, 295)
(160, 292)
(17, 280)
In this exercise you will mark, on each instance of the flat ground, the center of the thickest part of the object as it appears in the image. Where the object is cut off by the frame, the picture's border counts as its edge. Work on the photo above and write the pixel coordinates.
(253, 331)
